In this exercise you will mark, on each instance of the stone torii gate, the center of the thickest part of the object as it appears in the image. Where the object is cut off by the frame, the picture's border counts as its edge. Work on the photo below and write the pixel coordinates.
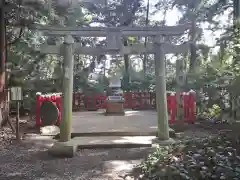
(114, 36)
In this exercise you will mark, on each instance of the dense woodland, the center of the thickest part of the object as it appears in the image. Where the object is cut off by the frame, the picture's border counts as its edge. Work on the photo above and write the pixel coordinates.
(211, 70)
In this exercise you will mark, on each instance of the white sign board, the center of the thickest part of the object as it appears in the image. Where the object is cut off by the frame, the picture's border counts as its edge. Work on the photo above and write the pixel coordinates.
(16, 94)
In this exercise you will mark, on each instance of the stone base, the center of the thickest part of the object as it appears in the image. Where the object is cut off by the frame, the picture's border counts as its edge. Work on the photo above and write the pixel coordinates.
(114, 108)
(160, 142)
(63, 149)
(114, 113)
(92, 109)
(172, 133)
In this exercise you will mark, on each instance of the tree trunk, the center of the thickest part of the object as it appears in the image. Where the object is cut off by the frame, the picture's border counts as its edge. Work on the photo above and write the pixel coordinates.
(236, 27)
(193, 48)
(2, 47)
(126, 64)
(2, 56)
(145, 43)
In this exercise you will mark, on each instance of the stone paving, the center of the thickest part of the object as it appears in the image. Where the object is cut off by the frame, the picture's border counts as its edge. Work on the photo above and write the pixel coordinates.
(133, 121)
(136, 128)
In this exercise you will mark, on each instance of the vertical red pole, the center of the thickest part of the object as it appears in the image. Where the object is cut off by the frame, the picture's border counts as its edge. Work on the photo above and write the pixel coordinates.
(173, 108)
(79, 100)
(185, 106)
(145, 99)
(104, 101)
(73, 100)
(59, 105)
(151, 99)
(128, 99)
(134, 100)
(125, 99)
(169, 106)
(95, 99)
(148, 100)
(193, 105)
(38, 104)
(140, 95)
(88, 101)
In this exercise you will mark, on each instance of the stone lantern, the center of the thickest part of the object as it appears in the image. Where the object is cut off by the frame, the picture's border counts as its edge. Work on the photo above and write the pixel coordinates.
(115, 99)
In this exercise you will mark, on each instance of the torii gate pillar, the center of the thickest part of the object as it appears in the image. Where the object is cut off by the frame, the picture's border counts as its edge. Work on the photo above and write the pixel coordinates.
(161, 99)
(66, 122)
(65, 147)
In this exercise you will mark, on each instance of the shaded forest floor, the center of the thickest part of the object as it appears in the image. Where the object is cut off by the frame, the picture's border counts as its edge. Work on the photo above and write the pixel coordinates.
(195, 156)
(204, 151)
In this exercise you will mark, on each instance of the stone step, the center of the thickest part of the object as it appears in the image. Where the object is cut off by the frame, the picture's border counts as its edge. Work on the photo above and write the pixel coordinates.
(117, 133)
(69, 149)
(113, 142)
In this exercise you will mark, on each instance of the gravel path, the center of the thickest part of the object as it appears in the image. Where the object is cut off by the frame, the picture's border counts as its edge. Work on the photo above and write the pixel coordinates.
(29, 162)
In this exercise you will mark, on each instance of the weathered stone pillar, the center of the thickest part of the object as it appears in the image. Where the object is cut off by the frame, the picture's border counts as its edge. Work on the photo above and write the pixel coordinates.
(67, 89)
(66, 147)
(161, 95)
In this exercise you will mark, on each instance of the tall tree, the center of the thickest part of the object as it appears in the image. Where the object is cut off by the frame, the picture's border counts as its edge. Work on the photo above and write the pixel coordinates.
(2, 46)
(236, 29)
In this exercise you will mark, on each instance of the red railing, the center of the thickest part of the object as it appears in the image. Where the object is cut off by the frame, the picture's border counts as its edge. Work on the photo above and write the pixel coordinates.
(132, 100)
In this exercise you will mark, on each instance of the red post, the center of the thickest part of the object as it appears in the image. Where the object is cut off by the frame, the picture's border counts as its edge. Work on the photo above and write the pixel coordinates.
(134, 100)
(172, 107)
(103, 101)
(74, 101)
(38, 104)
(193, 105)
(186, 106)
(128, 97)
(140, 100)
(125, 99)
(59, 105)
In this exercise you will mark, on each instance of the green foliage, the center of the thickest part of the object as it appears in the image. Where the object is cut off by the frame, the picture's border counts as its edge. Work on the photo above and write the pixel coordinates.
(215, 112)
(193, 158)
(215, 73)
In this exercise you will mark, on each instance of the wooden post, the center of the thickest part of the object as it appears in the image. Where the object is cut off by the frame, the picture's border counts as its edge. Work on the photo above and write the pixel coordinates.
(18, 138)
(66, 122)
(161, 93)
(16, 95)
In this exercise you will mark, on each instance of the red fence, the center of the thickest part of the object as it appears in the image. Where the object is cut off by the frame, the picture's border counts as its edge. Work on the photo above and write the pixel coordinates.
(55, 99)
(132, 100)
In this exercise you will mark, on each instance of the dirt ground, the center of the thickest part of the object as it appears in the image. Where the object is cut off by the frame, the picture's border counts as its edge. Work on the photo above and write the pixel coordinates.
(31, 161)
